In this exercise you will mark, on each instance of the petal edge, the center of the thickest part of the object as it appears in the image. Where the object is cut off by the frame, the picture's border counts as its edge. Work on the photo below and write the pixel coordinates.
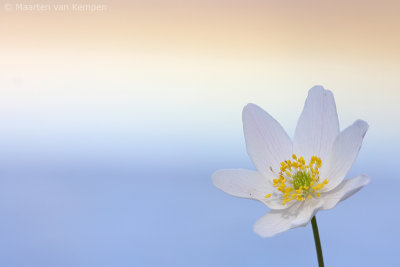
(275, 222)
(346, 189)
(343, 153)
(317, 126)
(267, 143)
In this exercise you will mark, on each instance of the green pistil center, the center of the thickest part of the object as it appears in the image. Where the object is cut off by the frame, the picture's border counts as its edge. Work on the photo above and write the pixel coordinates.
(301, 179)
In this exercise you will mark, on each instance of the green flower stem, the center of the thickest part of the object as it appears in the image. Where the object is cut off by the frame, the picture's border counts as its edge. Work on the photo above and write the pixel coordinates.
(317, 242)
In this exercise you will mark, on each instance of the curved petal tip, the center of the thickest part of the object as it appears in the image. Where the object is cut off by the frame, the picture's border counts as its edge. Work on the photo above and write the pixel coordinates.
(362, 126)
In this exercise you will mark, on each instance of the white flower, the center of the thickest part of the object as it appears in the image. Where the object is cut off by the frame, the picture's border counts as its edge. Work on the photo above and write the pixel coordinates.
(297, 179)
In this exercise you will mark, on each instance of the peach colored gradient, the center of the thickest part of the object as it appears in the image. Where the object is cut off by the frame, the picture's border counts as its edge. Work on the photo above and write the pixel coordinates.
(187, 55)
(356, 30)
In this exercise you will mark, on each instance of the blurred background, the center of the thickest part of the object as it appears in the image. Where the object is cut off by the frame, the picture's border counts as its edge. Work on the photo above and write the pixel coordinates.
(114, 116)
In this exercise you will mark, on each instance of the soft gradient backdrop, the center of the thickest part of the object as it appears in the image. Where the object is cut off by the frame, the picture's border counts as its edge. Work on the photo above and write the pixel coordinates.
(112, 122)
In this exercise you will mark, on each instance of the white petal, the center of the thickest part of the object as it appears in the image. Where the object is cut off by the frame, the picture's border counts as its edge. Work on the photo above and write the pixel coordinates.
(277, 221)
(267, 142)
(343, 154)
(345, 189)
(309, 209)
(248, 184)
(318, 125)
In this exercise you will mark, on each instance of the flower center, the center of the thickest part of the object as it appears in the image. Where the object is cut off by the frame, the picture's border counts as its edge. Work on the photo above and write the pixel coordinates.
(298, 181)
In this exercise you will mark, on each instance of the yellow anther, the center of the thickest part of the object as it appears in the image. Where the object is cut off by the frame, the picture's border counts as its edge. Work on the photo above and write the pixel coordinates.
(294, 157)
(318, 194)
(309, 196)
(268, 195)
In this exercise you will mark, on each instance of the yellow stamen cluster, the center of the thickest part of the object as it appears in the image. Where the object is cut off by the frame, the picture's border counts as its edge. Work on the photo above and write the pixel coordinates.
(298, 181)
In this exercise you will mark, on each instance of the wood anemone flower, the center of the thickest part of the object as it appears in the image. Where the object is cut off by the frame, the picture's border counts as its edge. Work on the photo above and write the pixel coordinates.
(296, 179)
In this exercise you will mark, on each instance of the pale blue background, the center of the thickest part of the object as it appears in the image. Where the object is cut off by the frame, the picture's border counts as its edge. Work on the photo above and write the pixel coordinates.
(112, 123)
(93, 194)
